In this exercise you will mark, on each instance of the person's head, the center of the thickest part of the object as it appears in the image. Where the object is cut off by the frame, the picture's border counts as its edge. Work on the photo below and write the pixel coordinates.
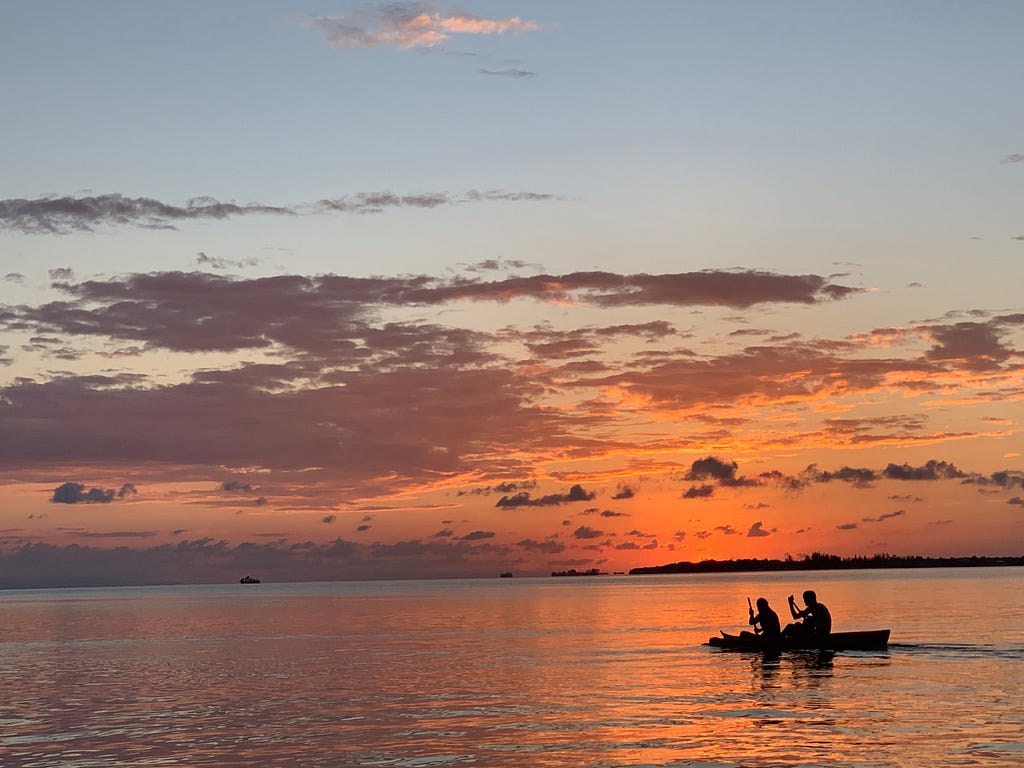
(810, 598)
(762, 604)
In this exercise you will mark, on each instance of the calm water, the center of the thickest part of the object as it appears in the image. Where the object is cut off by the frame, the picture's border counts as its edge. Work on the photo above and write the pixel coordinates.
(607, 671)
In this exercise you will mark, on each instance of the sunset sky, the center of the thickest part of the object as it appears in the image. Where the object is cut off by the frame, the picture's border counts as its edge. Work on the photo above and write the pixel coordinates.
(338, 290)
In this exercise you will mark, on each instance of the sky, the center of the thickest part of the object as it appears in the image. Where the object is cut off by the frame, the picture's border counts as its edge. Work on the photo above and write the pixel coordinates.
(318, 290)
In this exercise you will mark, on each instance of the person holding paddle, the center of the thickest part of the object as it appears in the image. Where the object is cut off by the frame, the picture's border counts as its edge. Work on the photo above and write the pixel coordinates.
(765, 622)
(814, 620)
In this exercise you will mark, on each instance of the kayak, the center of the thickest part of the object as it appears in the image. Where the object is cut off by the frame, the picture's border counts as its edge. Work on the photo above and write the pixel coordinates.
(868, 640)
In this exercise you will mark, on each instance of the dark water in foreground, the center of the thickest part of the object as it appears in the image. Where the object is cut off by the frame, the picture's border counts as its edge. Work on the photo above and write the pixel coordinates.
(586, 672)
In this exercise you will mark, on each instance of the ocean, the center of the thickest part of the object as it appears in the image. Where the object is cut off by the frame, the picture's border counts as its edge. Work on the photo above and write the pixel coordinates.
(581, 672)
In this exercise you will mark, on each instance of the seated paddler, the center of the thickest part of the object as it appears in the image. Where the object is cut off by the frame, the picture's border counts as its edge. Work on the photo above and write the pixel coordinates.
(814, 620)
(765, 622)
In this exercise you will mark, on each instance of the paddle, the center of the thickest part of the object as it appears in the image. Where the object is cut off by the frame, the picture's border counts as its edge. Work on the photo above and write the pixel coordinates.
(750, 608)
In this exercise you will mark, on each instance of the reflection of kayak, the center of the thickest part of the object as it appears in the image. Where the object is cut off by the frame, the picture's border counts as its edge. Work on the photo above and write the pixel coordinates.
(870, 640)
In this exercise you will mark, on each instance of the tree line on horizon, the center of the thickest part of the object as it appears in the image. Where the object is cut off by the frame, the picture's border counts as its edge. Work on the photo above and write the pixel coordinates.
(820, 561)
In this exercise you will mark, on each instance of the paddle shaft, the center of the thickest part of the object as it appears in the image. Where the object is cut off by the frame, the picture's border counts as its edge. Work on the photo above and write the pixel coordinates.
(750, 608)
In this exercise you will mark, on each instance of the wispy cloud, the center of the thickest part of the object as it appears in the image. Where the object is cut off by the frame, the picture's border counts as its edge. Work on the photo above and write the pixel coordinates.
(65, 215)
(62, 215)
(410, 25)
(884, 516)
(1016, 157)
(377, 202)
(477, 536)
(518, 74)
(215, 262)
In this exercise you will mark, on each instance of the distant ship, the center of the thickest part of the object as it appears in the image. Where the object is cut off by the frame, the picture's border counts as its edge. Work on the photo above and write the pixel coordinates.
(507, 575)
(248, 580)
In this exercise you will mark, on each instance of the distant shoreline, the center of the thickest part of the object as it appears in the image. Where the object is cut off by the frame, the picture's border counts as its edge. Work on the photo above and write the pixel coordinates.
(822, 562)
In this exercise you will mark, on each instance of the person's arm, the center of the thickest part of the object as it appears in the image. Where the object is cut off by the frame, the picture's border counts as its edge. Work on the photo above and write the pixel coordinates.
(792, 609)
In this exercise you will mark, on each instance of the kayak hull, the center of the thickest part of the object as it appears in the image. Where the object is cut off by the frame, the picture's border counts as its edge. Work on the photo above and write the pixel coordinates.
(870, 640)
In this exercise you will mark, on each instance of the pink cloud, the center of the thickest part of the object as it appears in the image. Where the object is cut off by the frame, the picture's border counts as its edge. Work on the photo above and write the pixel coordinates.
(411, 25)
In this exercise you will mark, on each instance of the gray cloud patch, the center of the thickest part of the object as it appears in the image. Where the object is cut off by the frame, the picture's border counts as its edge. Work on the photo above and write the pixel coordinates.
(519, 74)
(712, 468)
(624, 492)
(860, 477)
(885, 516)
(378, 202)
(980, 345)
(214, 262)
(63, 215)
(699, 492)
(236, 486)
(524, 499)
(477, 536)
(548, 546)
(76, 493)
(932, 470)
(62, 274)
(1004, 478)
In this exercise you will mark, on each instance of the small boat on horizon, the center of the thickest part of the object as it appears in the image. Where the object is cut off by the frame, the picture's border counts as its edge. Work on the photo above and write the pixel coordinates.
(248, 580)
